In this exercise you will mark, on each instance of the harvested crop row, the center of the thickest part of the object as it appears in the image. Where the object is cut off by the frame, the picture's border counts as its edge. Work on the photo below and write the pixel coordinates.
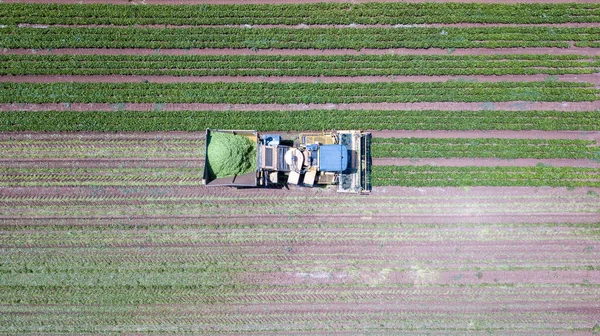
(254, 65)
(99, 176)
(321, 13)
(323, 314)
(94, 149)
(290, 38)
(430, 176)
(484, 148)
(417, 176)
(294, 93)
(309, 120)
(242, 238)
(198, 211)
(131, 274)
(447, 207)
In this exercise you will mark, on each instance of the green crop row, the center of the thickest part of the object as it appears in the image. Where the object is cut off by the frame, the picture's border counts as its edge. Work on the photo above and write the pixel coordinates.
(310, 120)
(295, 93)
(320, 13)
(265, 65)
(433, 176)
(288, 38)
(485, 148)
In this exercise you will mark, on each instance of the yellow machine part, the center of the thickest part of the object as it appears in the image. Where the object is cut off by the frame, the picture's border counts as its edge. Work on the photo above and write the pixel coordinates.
(322, 138)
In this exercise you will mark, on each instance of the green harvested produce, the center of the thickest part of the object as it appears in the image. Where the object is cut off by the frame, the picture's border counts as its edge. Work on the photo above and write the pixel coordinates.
(230, 155)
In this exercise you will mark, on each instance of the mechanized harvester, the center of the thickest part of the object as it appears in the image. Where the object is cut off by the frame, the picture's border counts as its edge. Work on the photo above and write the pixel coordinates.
(341, 158)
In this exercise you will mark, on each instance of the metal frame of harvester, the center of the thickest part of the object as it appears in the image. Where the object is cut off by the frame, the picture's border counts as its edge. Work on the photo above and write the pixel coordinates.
(341, 158)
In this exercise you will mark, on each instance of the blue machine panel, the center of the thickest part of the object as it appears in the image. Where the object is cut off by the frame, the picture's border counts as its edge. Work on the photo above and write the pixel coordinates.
(333, 158)
(271, 139)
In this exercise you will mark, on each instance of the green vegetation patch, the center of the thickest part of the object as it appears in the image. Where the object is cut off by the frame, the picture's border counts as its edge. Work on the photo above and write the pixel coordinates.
(294, 38)
(296, 93)
(298, 65)
(315, 13)
(434, 176)
(484, 148)
(229, 155)
(310, 120)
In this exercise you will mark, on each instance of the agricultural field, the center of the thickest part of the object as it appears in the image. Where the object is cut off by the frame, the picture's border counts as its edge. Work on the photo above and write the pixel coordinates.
(484, 217)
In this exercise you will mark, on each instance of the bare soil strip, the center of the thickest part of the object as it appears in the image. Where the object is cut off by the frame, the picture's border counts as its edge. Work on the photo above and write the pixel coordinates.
(226, 51)
(485, 162)
(100, 136)
(575, 135)
(105, 163)
(444, 106)
(587, 78)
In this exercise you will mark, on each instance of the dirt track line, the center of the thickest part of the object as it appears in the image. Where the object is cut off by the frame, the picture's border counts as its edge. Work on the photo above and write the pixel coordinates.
(588, 78)
(66, 163)
(485, 162)
(573, 135)
(228, 51)
(443, 106)
(100, 136)
(173, 2)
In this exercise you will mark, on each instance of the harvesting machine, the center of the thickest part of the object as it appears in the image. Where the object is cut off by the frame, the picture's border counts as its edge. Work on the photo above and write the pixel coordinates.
(341, 158)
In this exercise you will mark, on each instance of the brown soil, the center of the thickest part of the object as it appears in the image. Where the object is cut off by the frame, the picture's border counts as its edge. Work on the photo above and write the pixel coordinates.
(105, 163)
(587, 78)
(98, 136)
(575, 135)
(399, 51)
(485, 162)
